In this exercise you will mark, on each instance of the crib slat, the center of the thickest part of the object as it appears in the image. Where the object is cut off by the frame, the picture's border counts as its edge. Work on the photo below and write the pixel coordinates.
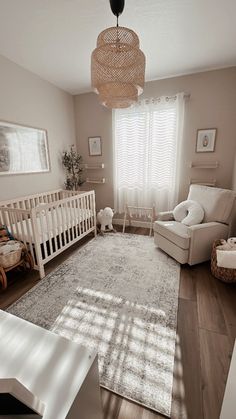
(29, 243)
(69, 221)
(57, 209)
(82, 214)
(73, 220)
(22, 236)
(49, 248)
(55, 232)
(63, 225)
(85, 214)
(42, 232)
(78, 215)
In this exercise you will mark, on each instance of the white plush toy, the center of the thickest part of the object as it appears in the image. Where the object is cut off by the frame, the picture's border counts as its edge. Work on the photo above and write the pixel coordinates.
(104, 217)
(230, 244)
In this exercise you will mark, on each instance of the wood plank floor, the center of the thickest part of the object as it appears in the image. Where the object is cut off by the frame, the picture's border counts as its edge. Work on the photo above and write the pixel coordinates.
(205, 337)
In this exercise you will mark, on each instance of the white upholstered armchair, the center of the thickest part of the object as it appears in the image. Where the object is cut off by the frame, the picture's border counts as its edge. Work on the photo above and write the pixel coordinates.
(193, 244)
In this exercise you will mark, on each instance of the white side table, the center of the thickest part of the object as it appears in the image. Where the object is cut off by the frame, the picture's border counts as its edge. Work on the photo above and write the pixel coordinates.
(61, 373)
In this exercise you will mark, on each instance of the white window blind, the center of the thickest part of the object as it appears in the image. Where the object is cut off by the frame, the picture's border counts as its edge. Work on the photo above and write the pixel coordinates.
(146, 152)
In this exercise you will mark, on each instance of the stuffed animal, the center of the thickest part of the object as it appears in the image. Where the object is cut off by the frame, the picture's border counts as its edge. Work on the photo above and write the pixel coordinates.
(104, 217)
(230, 244)
(232, 241)
(5, 235)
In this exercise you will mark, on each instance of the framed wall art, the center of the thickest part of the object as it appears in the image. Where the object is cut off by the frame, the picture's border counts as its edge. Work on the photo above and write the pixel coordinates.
(95, 146)
(206, 140)
(23, 149)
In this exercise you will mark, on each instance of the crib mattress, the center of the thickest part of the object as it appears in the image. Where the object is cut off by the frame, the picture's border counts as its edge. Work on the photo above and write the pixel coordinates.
(56, 222)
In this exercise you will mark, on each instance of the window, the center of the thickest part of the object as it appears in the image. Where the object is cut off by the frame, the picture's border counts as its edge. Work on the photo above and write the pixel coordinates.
(146, 150)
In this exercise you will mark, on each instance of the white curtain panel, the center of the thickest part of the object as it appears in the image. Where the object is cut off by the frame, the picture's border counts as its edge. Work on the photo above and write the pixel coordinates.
(146, 145)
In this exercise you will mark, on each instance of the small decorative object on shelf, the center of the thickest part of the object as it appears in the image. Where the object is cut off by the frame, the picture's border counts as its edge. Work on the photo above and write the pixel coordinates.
(206, 140)
(72, 161)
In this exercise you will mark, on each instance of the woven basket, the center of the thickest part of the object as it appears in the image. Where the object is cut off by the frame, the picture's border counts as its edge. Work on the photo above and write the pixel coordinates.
(224, 274)
(10, 259)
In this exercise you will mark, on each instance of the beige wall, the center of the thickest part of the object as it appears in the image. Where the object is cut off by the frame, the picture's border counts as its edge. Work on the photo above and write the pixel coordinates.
(234, 175)
(212, 104)
(26, 99)
(92, 120)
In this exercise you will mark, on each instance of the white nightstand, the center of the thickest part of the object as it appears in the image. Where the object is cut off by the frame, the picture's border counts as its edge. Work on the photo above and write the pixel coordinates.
(61, 373)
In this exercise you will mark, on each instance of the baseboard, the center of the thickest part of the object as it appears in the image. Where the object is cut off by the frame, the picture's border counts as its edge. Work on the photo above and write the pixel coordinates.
(134, 223)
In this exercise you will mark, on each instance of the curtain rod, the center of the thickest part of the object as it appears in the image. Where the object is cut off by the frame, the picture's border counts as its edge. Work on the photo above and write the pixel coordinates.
(186, 96)
(167, 98)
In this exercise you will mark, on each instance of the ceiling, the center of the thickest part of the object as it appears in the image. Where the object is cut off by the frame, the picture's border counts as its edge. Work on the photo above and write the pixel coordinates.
(54, 38)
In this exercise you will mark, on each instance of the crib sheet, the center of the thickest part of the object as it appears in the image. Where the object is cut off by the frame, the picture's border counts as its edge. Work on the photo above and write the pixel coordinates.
(56, 222)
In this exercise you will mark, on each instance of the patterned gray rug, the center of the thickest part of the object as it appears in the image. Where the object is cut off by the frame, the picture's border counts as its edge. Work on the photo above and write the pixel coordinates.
(119, 295)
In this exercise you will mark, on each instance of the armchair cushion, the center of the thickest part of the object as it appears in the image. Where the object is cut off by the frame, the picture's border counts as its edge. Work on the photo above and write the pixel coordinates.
(189, 213)
(217, 203)
(176, 232)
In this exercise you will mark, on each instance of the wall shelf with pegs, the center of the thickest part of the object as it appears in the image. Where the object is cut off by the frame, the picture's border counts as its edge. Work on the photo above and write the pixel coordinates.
(206, 165)
(88, 180)
(94, 166)
(211, 182)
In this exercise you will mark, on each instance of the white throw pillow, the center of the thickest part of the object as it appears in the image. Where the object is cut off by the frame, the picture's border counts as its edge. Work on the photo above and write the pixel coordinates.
(189, 213)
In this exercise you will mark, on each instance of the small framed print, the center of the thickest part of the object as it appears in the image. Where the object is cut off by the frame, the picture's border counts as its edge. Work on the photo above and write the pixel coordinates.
(206, 140)
(95, 146)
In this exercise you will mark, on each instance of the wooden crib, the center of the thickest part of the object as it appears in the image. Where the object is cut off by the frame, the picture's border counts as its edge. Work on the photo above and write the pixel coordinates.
(50, 222)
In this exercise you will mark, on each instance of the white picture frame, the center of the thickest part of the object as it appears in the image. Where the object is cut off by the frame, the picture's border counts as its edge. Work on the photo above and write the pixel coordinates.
(206, 140)
(23, 149)
(95, 146)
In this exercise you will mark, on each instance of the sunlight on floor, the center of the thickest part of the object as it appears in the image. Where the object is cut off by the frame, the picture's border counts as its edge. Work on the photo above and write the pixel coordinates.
(133, 340)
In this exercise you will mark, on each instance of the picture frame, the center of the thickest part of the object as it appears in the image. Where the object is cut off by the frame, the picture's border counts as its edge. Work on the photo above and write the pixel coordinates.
(206, 140)
(95, 146)
(23, 149)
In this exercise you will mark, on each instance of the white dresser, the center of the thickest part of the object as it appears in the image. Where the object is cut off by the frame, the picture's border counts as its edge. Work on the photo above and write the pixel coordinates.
(228, 410)
(61, 373)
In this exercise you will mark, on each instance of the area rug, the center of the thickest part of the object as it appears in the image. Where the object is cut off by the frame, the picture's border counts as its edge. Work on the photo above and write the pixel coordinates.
(118, 294)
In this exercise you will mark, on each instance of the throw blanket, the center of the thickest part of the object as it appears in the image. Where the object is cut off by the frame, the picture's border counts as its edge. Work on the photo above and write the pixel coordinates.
(226, 254)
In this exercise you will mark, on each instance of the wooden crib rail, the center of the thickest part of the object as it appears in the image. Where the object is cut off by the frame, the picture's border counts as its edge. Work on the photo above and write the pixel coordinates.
(68, 193)
(52, 225)
(14, 214)
(31, 201)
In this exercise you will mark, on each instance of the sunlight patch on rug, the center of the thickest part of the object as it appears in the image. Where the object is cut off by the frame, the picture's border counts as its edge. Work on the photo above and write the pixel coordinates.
(119, 295)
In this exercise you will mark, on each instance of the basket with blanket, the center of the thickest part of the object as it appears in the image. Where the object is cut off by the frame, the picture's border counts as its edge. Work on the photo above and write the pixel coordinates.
(223, 260)
(13, 253)
(10, 253)
(10, 249)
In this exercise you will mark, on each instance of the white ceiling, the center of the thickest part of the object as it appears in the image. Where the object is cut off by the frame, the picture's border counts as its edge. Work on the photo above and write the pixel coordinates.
(55, 38)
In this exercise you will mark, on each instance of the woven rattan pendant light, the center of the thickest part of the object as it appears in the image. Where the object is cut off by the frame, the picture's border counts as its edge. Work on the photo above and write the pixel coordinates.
(118, 64)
